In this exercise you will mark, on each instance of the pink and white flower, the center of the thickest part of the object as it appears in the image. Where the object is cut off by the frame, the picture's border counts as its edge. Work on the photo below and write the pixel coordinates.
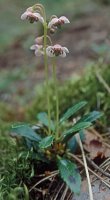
(38, 49)
(32, 16)
(56, 50)
(57, 22)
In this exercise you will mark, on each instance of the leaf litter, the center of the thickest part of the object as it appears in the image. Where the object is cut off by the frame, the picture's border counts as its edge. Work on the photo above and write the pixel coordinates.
(100, 191)
(94, 144)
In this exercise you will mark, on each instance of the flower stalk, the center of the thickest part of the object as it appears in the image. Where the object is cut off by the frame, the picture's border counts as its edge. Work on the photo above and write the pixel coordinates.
(47, 76)
(57, 100)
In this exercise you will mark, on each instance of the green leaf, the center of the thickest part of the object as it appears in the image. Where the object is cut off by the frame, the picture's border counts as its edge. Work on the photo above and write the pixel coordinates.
(73, 110)
(43, 118)
(77, 127)
(26, 192)
(46, 142)
(72, 143)
(91, 117)
(26, 131)
(70, 174)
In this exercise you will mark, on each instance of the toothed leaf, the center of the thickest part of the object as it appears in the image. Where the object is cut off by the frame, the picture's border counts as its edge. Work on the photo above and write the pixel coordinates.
(70, 174)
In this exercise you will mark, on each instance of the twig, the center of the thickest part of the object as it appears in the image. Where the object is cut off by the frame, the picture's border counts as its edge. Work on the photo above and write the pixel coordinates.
(80, 161)
(95, 133)
(50, 185)
(58, 192)
(39, 190)
(85, 165)
(105, 163)
(98, 168)
(42, 180)
(70, 196)
(64, 193)
(101, 80)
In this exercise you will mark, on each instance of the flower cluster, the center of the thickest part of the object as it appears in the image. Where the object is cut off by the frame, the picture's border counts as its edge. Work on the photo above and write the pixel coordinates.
(35, 15)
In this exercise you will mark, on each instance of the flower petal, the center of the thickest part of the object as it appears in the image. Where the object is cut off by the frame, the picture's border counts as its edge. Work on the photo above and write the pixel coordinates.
(57, 46)
(34, 47)
(65, 19)
(24, 15)
(32, 16)
(56, 22)
(38, 52)
(63, 54)
(38, 17)
(50, 51)
(53, 22)
(65, 49)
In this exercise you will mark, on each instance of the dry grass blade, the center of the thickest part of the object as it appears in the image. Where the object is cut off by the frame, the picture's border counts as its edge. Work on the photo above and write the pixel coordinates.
(70, 196)
(44, 179)
(98, 168)
(85, 165)
(105, 163)
(80, 161)
(58, 191)
(64, 193)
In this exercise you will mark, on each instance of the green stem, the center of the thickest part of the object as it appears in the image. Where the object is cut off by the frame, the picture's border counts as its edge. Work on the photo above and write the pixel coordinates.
(47, 76)
(57, 100)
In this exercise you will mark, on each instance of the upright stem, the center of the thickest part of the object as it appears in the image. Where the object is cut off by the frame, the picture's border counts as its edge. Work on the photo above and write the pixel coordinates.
(57, 100)
(47, 76)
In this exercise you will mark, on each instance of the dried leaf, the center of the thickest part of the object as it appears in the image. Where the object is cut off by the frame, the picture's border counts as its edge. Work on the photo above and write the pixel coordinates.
(95, 146)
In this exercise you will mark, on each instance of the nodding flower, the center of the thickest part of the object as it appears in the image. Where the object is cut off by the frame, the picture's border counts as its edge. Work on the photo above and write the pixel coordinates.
(32, 16)
(57, 22)
(56, 50)
(38, 49)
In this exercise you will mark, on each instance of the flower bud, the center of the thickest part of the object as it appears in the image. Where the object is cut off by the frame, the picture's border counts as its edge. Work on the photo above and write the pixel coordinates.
(39, 40)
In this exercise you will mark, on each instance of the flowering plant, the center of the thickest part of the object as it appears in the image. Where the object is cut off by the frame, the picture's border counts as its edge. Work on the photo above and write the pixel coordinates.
(53, 141)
